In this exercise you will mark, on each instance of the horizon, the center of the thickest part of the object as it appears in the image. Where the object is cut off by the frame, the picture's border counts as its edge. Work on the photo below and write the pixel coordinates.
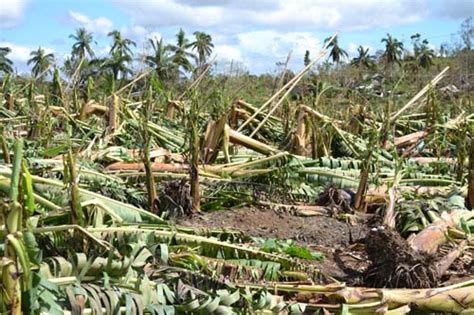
(255, 35)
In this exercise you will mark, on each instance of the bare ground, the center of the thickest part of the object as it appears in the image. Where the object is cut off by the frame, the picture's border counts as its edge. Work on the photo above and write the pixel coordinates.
(333, 237)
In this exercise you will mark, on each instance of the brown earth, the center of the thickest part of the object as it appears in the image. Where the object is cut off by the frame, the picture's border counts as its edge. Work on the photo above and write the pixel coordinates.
(325, 234)
(348, 251)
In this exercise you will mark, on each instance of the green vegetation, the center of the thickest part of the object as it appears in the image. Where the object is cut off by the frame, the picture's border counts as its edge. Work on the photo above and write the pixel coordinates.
(100, 159)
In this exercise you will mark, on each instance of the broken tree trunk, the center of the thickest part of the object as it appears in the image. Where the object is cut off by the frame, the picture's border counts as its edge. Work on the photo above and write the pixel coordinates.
(172, 107)
(213, 139)
(456, 298)
(390, 215)
(238, 138)
(410, 138)
(436, 233)
(452, 299)
(10, 102)
(360, 203)
(91, 107)
(113, 110)
(299, 138)
(443, 265)
(155, 167)
(288, 86)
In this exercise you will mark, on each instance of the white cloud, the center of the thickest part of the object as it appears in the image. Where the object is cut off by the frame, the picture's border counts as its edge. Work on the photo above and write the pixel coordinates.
(352, 49)
(227, 53)
(135, 32)
(21, 53)
(169, 12)
(262, 46)
(100, 25)
(458, 9)
(303, 14)
(11, 12)
(154, 35)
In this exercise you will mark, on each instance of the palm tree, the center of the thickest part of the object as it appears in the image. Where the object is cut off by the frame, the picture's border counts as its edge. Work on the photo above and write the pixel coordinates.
(82, 45)
(121, 45)
(363, 60)
(118, 64)
(41, 62)
(6, 65)
(203, 45)
(424, 55)
(181, 55)
(306, 59)
(160, 60)
(393, 49)
(337, 53)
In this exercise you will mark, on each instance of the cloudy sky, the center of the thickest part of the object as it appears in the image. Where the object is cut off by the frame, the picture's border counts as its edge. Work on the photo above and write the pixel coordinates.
(255, 33)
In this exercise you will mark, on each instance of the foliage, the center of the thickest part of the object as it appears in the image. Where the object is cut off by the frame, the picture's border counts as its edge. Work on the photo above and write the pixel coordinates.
(288, 247)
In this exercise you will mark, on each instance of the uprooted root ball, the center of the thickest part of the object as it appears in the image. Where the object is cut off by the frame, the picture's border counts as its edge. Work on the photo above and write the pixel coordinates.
(394, 264)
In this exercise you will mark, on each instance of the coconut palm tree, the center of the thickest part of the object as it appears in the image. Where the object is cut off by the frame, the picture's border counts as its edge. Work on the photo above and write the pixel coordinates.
(41, 62)
(160, 60)
(363, 60)
(424, 55)
(6, 65)
(306, 59)
(203, 46)
(393, 50)
(82, 45)
(181, 53)
(121, 45)
(337, 53)
(117, 64)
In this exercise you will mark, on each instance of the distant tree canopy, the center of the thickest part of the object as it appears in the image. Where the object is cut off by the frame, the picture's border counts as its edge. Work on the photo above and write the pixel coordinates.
(187, 56)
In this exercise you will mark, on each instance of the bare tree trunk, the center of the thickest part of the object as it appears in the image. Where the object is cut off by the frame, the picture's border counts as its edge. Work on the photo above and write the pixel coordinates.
(10, 102)
(114, 107)
(299, 140)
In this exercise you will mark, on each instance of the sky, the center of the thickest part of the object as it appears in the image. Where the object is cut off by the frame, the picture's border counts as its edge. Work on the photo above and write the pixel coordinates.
(252, 34)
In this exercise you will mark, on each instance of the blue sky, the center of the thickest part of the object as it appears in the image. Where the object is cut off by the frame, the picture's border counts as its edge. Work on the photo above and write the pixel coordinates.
(254, 34)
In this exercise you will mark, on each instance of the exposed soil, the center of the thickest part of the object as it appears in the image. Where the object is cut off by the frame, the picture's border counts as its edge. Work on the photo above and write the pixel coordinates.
(321, 230)
(355, 252)
(328, 235)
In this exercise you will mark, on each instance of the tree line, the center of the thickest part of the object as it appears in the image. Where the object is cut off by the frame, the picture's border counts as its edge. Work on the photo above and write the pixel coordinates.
(170, 61)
